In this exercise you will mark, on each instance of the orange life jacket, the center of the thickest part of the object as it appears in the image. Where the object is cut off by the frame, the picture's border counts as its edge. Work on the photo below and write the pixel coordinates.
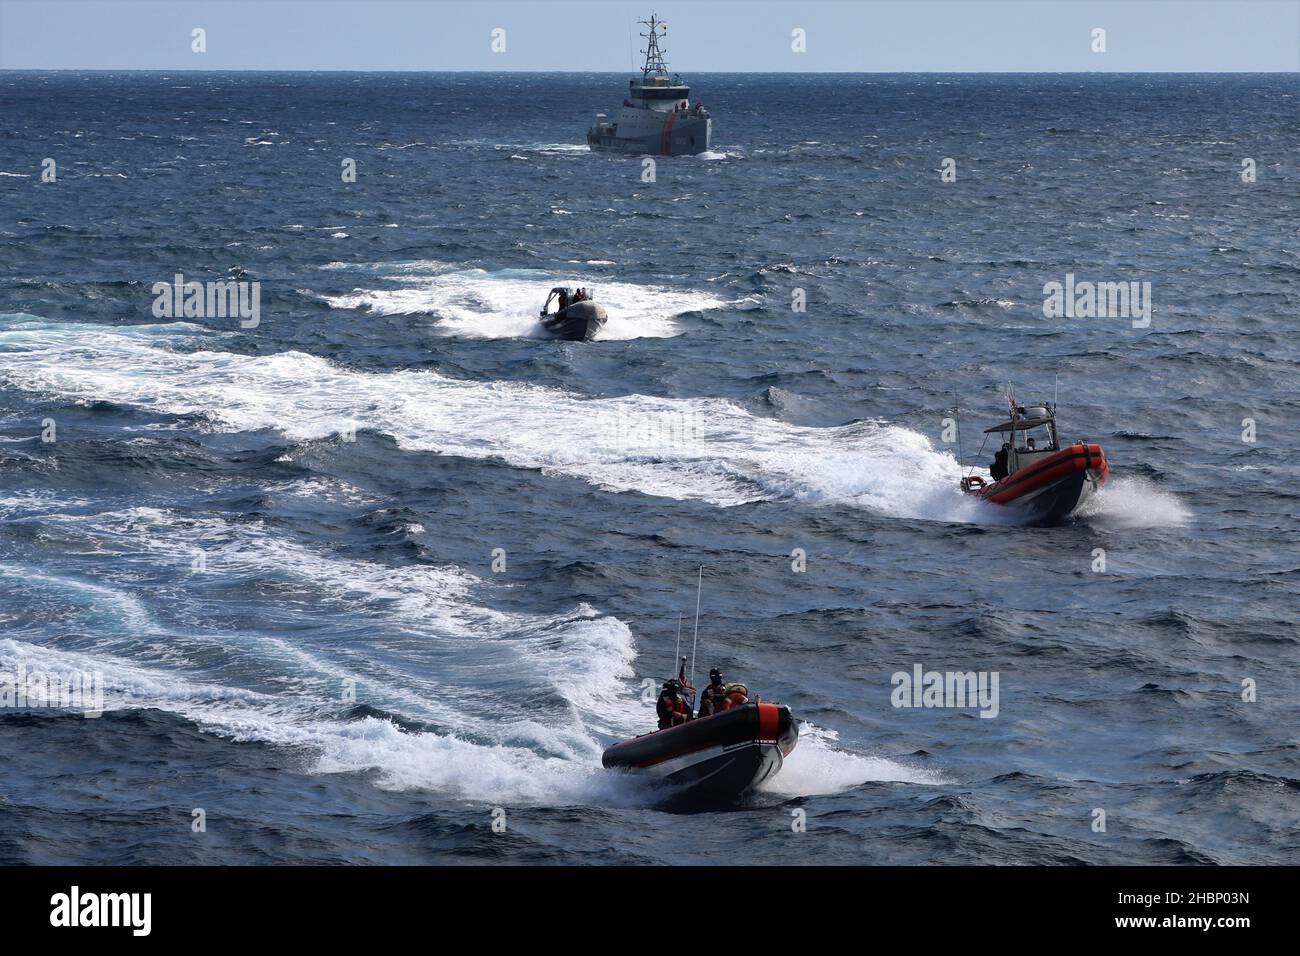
(737, 696)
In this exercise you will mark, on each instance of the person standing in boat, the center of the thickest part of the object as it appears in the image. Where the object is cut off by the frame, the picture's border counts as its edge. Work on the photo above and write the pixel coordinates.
(564, 300)
(672, 710)
(998, 470)
(713, 695)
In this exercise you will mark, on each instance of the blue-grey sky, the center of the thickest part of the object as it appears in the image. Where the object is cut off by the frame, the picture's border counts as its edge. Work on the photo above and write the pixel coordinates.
(704, 35)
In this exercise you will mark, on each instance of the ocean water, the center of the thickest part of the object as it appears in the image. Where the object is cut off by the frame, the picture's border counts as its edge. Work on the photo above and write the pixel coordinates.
(276, 544)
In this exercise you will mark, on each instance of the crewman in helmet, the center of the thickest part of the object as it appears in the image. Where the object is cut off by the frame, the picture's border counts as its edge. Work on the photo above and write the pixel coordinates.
(713, 695)
(672, 710)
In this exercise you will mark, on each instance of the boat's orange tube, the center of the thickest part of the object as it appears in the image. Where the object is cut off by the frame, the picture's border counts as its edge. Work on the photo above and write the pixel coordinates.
(1077, 457)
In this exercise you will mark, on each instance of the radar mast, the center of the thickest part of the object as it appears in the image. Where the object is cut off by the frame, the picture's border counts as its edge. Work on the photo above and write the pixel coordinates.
(654, 57)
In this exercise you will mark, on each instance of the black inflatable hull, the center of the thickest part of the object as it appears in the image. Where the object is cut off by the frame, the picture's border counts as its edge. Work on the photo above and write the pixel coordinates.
(580, 322)
(1055, 502)
(718, 757)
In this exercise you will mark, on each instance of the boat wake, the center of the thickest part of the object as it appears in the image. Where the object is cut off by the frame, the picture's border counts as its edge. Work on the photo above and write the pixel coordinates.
(504, 304)
(381, 631)
(352, 690)
(703, 449)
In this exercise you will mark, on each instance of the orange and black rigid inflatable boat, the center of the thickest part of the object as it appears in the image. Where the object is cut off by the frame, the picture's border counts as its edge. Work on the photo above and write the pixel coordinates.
(1032, 474)
(720, 756)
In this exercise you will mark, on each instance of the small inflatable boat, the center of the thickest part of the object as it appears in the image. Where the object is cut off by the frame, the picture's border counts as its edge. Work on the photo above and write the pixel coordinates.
(1033, 475)
(717, 757)
(579, 321)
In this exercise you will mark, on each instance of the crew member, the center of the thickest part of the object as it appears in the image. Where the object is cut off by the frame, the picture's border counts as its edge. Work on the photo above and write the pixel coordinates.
(713, 695)
(736, 697)
(671, 708)
(564, 300)
(999, 469)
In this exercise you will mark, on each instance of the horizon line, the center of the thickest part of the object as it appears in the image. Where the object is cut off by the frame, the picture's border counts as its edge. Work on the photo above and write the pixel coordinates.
(183, 69)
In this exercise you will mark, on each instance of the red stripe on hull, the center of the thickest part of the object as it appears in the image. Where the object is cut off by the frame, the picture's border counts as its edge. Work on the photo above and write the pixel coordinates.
(666, 140)
(769, 722)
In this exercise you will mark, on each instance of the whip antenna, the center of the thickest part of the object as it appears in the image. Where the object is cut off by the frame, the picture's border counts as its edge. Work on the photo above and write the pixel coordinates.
(678, 652)
(699, 587)
(956, 420)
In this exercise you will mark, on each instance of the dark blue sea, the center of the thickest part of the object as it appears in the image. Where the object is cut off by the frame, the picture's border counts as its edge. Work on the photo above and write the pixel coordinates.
(390, 566)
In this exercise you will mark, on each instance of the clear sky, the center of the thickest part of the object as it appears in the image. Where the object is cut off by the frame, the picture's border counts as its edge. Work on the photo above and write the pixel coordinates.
(704, 35)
